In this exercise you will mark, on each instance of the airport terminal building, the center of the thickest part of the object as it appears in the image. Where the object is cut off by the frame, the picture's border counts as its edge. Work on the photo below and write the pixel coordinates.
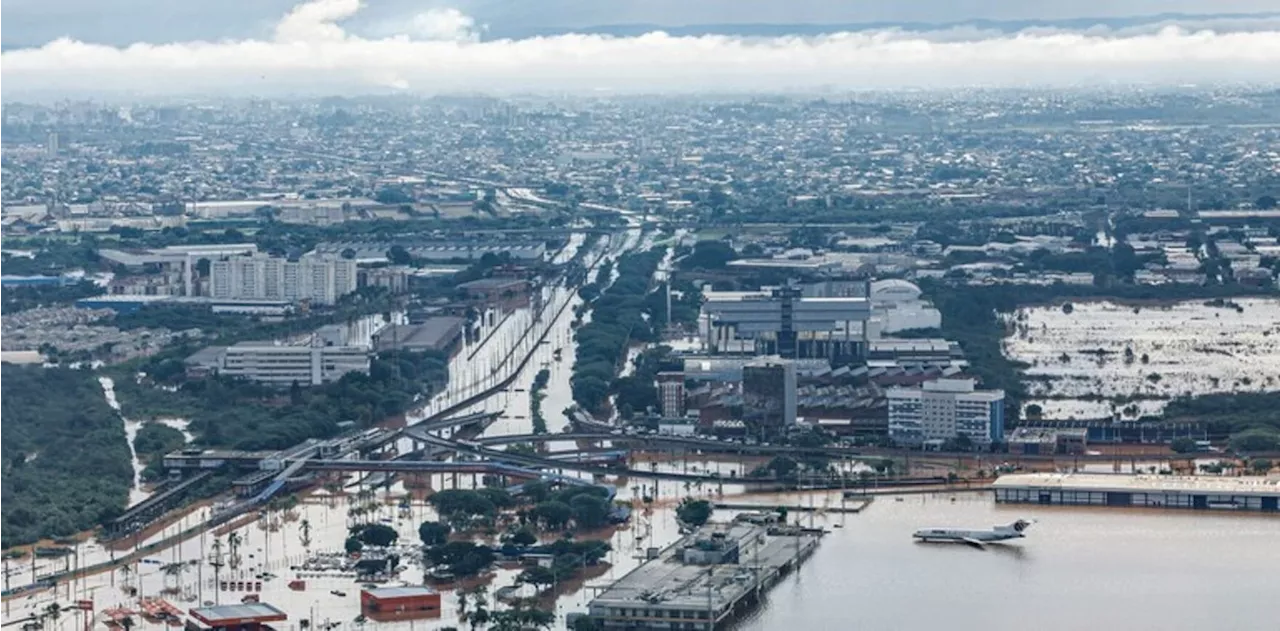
(1250, 493)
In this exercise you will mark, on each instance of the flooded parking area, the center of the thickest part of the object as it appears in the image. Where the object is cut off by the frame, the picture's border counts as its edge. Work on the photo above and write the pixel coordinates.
(1099, 359)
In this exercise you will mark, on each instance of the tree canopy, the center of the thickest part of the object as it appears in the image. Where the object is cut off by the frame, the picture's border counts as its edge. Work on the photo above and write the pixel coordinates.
(65, 457)
(693, 512)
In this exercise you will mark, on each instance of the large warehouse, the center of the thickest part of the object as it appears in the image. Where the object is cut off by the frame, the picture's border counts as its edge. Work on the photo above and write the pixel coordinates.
(1167, 491)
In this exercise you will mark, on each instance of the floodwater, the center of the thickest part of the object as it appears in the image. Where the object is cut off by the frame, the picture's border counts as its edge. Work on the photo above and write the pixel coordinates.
(1145, 355)
(137, 492)
(1078, 568)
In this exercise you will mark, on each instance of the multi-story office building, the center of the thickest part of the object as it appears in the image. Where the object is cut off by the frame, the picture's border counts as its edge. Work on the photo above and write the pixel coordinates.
(320, 280)
(943, 410)
(283, 365)
(671, 394)
(769, 395)
(786, 322)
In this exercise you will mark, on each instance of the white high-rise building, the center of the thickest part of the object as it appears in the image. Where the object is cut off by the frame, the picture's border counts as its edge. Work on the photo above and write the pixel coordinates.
(943, 410)
(321, 280)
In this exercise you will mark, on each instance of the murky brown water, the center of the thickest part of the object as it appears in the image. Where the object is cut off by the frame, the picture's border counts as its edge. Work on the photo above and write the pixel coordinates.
(1077, 569)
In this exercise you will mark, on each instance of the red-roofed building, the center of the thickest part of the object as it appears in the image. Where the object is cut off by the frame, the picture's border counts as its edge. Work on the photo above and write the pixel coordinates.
(400, 603)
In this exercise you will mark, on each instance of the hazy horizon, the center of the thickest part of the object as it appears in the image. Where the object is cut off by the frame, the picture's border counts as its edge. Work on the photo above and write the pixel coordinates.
(335, 47)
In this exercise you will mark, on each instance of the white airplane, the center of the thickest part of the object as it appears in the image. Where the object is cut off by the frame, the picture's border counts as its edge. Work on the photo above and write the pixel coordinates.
(975, 538)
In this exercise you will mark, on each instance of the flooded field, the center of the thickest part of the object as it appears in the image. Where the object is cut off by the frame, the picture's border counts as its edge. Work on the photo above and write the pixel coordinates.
(1095, 360)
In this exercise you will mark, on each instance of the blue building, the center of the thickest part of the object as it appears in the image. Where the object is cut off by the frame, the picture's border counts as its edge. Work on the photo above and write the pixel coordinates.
(36, 281)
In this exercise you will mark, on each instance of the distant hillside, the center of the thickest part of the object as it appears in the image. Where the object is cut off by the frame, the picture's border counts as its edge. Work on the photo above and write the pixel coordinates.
(779, 30)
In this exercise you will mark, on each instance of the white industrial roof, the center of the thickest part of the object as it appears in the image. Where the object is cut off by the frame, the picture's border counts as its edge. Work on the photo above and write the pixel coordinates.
(1124, 483)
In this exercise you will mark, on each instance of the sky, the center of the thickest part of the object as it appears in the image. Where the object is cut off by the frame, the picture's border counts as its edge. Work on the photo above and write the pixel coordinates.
(272, 47)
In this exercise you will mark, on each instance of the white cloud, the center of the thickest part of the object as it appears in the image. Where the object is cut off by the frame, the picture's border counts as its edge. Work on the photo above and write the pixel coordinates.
(449, 25)
(440, 51)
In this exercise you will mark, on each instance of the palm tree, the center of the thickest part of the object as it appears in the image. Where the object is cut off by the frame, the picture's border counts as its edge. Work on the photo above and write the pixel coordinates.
(51, 611)
(305, 527)
(233, 540)
(462, 604)
(126, 623)
(481, 594)
(479, 616)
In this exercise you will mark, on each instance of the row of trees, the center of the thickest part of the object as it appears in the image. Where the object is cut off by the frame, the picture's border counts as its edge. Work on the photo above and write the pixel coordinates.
(619, 317)
(536, 394)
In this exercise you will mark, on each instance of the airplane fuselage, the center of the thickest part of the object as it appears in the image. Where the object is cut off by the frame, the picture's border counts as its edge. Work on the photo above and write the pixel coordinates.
(965, 536)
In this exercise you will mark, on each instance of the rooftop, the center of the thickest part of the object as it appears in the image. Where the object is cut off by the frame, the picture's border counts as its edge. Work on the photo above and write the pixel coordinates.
(1242, 485)
(433, 332)
(400, 592)
(668, 583)
(218, 615)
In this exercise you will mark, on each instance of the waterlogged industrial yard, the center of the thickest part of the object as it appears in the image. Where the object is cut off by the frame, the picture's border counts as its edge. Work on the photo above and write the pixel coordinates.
(1102, 359)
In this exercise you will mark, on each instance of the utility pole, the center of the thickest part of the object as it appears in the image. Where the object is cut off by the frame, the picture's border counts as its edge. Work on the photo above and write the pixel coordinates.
(216, 561)
(6, 586)
(711, 610)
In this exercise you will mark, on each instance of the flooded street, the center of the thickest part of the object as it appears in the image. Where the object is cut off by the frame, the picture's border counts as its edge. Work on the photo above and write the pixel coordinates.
(1139, 357)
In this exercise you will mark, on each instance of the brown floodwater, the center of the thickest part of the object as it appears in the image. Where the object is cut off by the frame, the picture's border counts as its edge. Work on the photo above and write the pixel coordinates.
(1078, 568)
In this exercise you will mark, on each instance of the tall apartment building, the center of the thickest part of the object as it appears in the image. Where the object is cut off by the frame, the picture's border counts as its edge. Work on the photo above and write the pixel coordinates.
(671, 394)
(320, 280)
(945, 409)
(769, 395)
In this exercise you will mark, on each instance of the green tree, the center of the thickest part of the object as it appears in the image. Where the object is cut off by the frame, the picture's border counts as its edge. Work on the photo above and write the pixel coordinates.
(433, 533)
(399, 256)
(553, 514)
(1260, 466)
(537, 576)
(589, 511)
(693, 512)
(1256, 440)
(380, 535)
(524, 537)
(1183, 445)
(353, 545)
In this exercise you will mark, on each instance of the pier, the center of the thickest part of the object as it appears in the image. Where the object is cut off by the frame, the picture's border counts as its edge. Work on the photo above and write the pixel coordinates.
(705, 579)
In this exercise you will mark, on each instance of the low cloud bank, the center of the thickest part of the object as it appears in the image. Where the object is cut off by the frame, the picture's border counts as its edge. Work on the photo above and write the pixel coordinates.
(441, 51)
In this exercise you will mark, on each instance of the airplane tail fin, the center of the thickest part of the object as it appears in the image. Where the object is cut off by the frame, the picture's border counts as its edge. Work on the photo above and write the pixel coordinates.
(1017, 526)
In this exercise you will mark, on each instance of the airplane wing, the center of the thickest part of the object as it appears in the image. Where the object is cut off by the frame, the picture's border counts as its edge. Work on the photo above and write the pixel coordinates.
(974, 542)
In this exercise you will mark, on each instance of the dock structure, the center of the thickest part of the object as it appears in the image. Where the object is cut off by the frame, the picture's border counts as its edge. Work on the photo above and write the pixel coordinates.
(1201, 492)
(704, 579)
